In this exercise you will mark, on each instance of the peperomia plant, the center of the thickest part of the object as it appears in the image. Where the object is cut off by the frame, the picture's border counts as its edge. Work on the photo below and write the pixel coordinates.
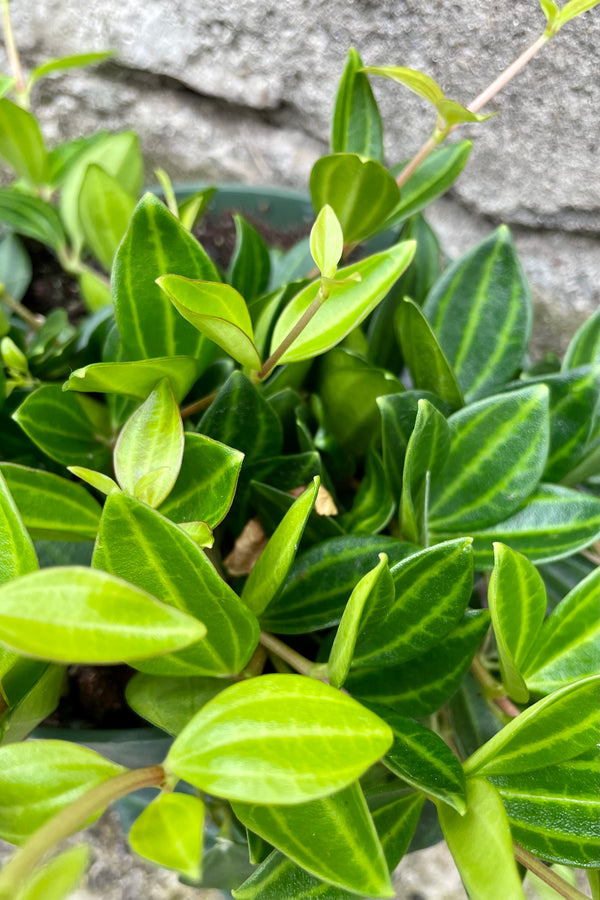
(337, 525)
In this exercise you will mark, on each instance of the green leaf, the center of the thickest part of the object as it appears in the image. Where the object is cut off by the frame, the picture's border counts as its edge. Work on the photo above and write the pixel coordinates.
(326, 242)
(268, 575)
(356, 125)
(333, 838)
(480, 310)
(345, 308)
(421, 758)
(32, 218)
(374, 502)
(424, 356)
(584, 348)
(77, 61)
(481, 844)
(193, 207)
(416, 81)
(206, 484)
(259, 741)
(135, 379)
(575, 8)
(151, 444)
(17, 554)
(250, 265)
(554, 811)
(556, 728)
(454, 113)
(105, 209)
(32, 691)
(157, 243)
(322, 579)
(240, 417)
(6, 84)
(426, 453)
(271, 505)
(517, 601)
(498, 453)
(39, 778)
(169, 832)
(218, 311)
(94, 290)
(374, 590)
(421, 685)
(15, 267)
(59, 877)
(567, 646)
(432, 591)
(70, 429)
(73, 614)
(550, 10)
(170, 702)
(360, 191)
(21, 142)
(553, 523)
(433, 177)
(173, 568)
(51, 507)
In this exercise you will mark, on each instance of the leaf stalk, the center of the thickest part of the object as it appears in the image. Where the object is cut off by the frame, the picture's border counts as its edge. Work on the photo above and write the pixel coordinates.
(547, 875)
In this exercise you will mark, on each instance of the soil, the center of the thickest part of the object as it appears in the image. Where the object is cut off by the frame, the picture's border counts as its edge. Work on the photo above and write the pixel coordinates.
(50, 286)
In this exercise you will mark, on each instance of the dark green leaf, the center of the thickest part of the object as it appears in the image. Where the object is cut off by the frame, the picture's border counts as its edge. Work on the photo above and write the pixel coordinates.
(15, 267)
(169, 832)
(272, 504)
(473, 722)
(32, 217)
(250, 264)
(356, 125)
(21, 142)
(426, 454)
(433, 177)
(170, 702)
(374, 502)
(584, 348)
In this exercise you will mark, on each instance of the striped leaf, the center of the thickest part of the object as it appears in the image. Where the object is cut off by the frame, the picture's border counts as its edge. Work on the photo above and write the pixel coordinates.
(51, 507)
(421, 685)
(562, 576)
(280, 739)
(18, 554)
(480, 310)
(345, 308)
(554, 811)
(426, 453)
(556, 728)
(360, 191)
(432, 590)
(173, 568)
(584, 348)
(155, 244)
(322, 579)
(481, 844)
(553, 523)
(240, 417)
(135, 379)
(432, 179)
(374, 503)
(206, 483)
(32, 217)
(568, 647)
(333, 838)
(517, 600)
(498, 453)
(170, 702)
(250, 264)
(71, 429)
(356, 126)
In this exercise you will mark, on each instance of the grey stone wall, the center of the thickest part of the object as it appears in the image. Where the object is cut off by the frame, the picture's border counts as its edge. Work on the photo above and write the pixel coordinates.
(223, 90)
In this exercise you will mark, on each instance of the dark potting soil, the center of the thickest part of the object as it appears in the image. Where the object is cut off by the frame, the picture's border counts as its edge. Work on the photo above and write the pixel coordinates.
(94, 697)
(51, 287)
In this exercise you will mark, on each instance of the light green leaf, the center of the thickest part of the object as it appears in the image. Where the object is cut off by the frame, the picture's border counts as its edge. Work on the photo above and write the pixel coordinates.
(94, 290)
(498, 453)
(584, 348)
(32, 691)
(250, 265)
(17, 554)
(39, 778)
(416, 81)
(105, 209)
(556, 728)
(77, 61)
(567, 647)
(333, 838)
(52, 507)
(151, 441)
(170, 702)
(32, 218)
(326, 242)
(218, 312)
(21, 142)
(169, 832)
(480, 310)
(551, 10)
(481, 844)
(278, 739)
(156, 243)
(426, 453)
(374, 590)
(424, 356)
(575, 8)
(200, 533)
(267, 577)
(356, 125)
(6, 84)
(135, 379)
(454, 113)
(174, 569)
(361, 192)
(73, 614)
(345, 308)
(433, 177)
(102, 483)
(517, 600)
(192, 208)
(15, 269)
(59, 877)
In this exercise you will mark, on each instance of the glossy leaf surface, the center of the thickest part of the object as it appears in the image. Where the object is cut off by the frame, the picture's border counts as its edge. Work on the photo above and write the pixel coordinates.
(278, 739)
(326, 242)
(584, 347)
(105, 209)
(135, 379)
(250, 265)
(433, 177)
(169, 832)
(374, 503)
(170, 702)
(356, 125)
(426, 452)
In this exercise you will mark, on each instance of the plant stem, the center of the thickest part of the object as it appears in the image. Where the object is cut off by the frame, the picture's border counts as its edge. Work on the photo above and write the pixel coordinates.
(71, 819)
(551, 878)
(493, 689)
(421, 155)
(295, 660)
(300, 325)
(12, 51)
(198, 405)
(34, 321)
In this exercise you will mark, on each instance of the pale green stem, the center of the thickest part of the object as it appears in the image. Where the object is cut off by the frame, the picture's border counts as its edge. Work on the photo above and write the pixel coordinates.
(71, 819)
(12, 51)
(493, 690)
(551, 878)
(34, 321)
(291, 657)
(300, 325)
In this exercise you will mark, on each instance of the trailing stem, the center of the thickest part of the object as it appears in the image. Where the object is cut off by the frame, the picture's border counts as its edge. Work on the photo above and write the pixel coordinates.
(546, 874)
(295, 660)
(12, 52)
(289, 339)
